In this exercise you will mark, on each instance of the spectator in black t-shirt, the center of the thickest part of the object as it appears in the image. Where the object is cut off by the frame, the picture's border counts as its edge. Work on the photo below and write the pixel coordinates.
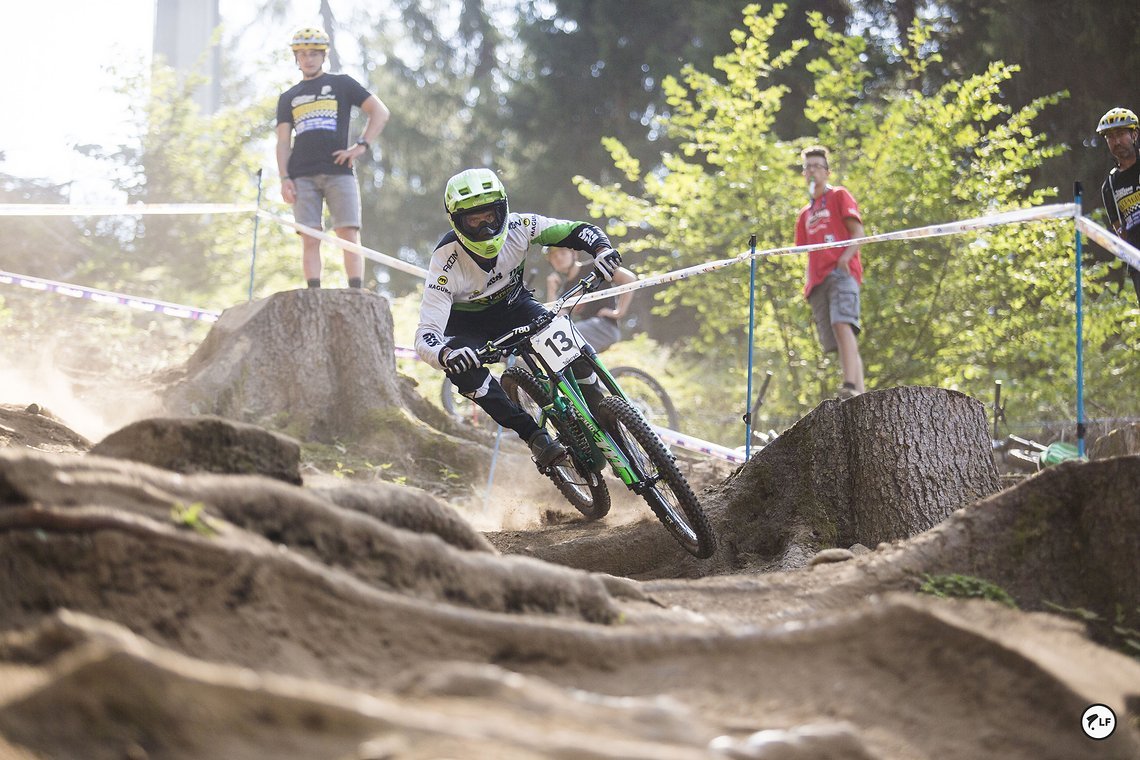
(1121, 190)
(316, 164)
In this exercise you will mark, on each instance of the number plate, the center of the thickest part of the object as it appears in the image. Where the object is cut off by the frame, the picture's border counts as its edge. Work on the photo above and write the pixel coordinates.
(558, 343)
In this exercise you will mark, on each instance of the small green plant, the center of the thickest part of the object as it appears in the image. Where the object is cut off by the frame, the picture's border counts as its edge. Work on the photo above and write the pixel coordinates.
(964, 587)
(191, 516)
(1118, 634)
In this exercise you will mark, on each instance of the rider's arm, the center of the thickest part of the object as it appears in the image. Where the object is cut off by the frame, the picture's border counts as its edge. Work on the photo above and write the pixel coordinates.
(435, 308)
(581, 236)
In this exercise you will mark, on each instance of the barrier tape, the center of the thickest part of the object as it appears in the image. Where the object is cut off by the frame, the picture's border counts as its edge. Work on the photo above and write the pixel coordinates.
(109, 297)
(690, 443)
(129, 209)
(64, 209)
(1127, 253)
(380, 258)
(1036, 213)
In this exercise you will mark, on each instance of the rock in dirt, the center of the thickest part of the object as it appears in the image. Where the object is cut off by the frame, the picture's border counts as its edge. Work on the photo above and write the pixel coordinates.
(205, 444)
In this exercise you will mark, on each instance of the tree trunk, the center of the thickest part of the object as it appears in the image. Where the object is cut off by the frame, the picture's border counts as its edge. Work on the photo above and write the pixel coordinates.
(882, 466)
(313, 363)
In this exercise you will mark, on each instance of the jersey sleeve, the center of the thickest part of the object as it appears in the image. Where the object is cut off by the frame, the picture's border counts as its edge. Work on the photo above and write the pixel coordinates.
(580, 236)
(848, 208)
(435, 309)
(357, 94)
(284, 110)
(801, 227)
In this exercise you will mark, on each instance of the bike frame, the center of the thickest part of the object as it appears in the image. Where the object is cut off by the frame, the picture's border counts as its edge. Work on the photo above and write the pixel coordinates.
(566, 393)
(564, 390)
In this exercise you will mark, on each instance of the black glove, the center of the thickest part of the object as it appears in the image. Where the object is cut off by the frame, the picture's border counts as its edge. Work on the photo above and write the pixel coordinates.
(459, 360)
(607, 261)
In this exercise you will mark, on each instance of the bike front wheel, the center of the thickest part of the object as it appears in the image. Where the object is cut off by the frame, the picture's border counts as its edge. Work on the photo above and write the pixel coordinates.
(581, 485)
(661, 484)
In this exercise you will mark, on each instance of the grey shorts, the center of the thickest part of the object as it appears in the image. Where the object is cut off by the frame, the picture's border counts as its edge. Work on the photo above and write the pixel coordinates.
(340, 191)
(836, 299)
(599, 332)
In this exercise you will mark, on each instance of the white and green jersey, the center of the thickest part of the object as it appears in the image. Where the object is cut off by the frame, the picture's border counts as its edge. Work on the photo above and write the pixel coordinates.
(457, 282)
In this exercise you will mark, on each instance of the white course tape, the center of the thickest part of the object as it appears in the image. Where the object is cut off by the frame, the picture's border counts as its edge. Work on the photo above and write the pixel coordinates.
(1053, 211)
(1117, 247)
(108, 297)
(690, 443)
(380, 258)
(130, 209)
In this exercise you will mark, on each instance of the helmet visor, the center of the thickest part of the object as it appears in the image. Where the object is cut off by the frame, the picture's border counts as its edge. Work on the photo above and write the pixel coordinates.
(481, 223)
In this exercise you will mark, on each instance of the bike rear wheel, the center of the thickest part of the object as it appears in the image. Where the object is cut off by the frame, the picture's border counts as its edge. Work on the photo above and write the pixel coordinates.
(662, 486)
(576, 480)
(648, 397)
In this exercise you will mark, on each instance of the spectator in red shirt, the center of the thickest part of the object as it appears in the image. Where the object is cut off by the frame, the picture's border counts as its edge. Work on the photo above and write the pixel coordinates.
(834, 275)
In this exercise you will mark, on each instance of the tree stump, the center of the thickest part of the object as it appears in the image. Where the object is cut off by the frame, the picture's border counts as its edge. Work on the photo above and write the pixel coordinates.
(1117, 443)
(313, 362)
(882, 466)
(320, 366)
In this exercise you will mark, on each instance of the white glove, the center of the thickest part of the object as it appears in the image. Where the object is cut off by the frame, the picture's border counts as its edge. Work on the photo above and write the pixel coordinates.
(459, 360)
(607, 261)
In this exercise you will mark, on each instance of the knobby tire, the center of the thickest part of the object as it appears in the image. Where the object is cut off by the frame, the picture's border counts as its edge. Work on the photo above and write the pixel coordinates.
(576, 480)
(669, 496)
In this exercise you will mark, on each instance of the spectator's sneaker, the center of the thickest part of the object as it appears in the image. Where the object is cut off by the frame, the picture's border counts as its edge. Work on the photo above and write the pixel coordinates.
(546, 450)
(847, 391)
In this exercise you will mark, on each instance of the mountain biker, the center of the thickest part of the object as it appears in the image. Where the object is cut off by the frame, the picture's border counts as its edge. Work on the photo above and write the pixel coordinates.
(474, 292)
(1121, 189)
(599, 322)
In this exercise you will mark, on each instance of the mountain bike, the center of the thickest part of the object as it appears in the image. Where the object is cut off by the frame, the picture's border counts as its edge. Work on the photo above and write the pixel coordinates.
(1025, 455)
(618, 435)
(641, 389)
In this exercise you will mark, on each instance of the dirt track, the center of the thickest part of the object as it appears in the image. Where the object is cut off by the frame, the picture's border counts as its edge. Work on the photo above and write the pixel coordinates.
(293, 622)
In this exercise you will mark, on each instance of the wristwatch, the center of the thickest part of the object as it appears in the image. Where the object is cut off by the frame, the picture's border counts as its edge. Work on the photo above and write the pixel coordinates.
(365, 144)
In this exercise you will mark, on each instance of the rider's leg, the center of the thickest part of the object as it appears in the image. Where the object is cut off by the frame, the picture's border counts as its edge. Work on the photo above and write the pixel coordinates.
(588, 382)
(481, 387)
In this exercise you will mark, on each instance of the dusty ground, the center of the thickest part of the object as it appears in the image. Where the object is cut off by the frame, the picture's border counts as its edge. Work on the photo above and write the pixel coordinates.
(151, 615)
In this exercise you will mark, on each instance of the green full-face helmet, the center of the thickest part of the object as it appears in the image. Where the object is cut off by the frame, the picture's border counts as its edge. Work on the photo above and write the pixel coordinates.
(476, 204)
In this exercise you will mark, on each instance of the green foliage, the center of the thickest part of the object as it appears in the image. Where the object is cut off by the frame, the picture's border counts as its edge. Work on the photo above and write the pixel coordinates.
(956, 311)
(180, 155)
(1120, 632)
(193, 516)
(964, 587)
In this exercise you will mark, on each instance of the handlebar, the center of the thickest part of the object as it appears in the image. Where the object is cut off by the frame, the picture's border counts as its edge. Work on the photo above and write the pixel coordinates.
(492, 351)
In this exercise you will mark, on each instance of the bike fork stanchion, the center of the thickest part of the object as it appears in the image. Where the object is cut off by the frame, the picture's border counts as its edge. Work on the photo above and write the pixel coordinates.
(256, 218)
(1080, 330)
(751, 332)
